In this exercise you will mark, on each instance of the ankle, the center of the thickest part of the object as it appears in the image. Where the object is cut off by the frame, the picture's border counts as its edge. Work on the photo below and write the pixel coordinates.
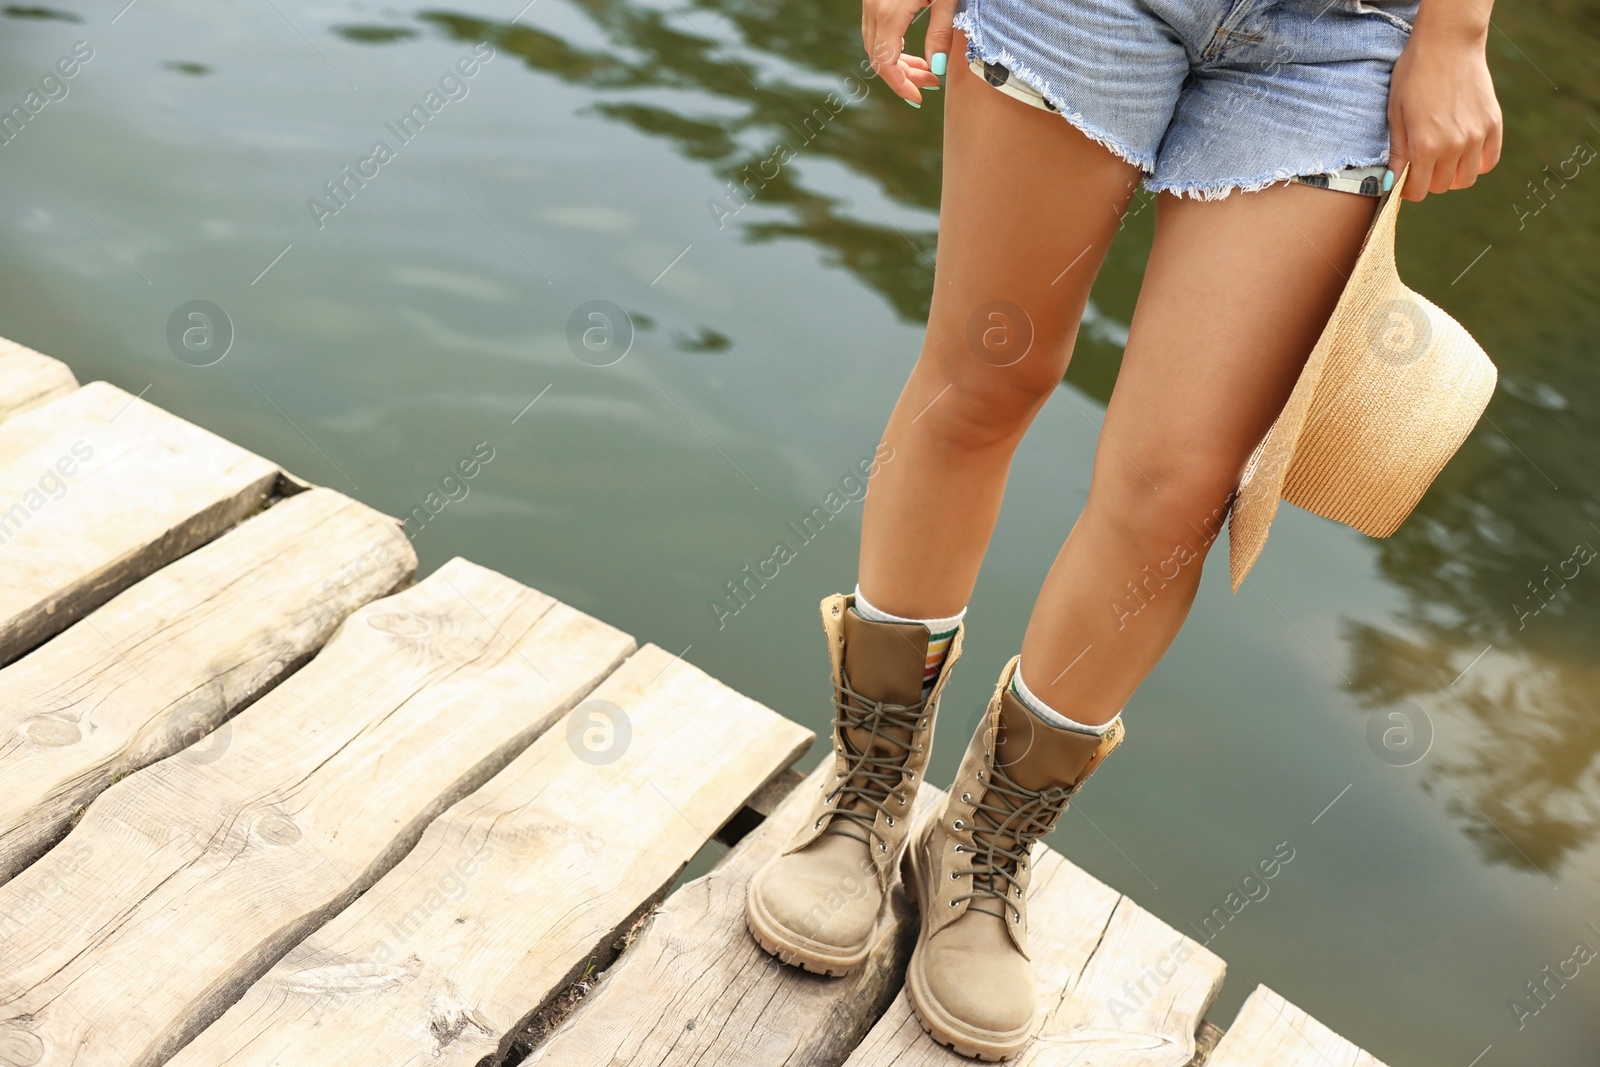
(873, 613)
(1050, 716)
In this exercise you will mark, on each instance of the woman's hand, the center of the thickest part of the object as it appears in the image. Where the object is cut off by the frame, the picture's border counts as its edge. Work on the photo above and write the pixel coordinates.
(883, 29)
(1443, 117)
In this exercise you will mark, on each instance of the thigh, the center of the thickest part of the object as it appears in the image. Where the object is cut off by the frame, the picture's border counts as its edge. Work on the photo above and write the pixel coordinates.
(1235, 295)
(1028, 209)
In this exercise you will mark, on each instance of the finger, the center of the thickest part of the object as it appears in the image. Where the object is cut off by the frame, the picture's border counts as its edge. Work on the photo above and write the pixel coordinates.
(886, 61)
(919, 74)
(1468, 165)
(1491, 150)
(1399, 150)
(1444, 171)
(1421, 178)
(940, 34)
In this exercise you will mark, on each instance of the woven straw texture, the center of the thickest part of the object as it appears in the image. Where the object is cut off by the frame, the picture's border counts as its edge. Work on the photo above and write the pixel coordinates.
(1387, 396)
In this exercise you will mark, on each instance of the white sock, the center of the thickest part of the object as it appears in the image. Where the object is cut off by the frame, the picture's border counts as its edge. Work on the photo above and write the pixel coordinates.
(1050, 716)
(940, 631)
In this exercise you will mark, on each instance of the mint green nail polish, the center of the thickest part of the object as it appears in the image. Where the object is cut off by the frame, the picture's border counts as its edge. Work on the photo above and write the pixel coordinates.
(913, 103)
(1388, 180)
(938, 63)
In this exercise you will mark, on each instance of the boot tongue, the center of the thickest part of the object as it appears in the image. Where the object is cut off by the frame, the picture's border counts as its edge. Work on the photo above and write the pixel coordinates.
(883, 661)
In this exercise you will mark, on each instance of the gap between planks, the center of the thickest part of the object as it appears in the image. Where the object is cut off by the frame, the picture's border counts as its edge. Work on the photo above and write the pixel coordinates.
(513, 890)
(99, 489)
(164, 664)
(206, 873)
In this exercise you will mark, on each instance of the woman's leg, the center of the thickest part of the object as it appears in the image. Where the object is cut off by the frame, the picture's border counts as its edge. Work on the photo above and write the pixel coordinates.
(1233, 300)
(1025, 195)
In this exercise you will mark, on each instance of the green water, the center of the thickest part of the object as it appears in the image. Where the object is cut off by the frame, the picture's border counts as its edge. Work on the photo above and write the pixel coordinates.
(377, 345)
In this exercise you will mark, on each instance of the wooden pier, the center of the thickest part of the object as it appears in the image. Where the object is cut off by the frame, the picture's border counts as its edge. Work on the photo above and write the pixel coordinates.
(266, 800)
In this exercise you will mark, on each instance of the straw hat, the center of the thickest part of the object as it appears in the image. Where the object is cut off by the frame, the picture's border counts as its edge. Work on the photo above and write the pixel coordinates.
(1390, 391)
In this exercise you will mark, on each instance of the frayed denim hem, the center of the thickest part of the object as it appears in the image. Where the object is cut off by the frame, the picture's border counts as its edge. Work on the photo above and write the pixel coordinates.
(976, 44)
(1221, 189)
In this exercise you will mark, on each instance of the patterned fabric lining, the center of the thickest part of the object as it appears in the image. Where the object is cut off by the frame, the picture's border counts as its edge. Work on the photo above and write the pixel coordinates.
(1365, 181)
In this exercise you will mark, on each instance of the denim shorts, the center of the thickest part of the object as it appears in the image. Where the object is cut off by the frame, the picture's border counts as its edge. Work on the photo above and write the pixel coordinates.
(1206, 96)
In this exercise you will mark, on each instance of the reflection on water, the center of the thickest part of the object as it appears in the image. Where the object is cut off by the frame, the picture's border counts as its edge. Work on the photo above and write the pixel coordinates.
(769, 121)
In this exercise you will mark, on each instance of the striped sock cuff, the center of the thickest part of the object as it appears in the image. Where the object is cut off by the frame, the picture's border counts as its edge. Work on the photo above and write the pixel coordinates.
(1050, 716)
(938, 645)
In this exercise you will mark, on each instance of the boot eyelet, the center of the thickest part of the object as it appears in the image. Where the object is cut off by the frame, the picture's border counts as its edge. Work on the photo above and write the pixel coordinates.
(958, 825)
(952, 903)
(961, 848)
(966, 798)
(980, 776)
(817, 825)
(882, 847)
(889, 819)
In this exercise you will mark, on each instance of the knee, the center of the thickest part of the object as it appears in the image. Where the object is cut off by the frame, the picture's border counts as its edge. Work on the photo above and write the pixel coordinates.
(1162, 510)
(983, 404)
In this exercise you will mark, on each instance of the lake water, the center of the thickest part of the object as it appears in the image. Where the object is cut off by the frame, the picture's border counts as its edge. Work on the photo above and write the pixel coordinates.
(381, 337)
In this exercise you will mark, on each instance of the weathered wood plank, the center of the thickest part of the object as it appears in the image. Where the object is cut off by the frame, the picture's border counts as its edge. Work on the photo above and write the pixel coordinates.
(510, 892)
(1140, 1000)
(695, 988)
(1271, 1032)
(99, 489)
(1116, 986)
(188, 880)
(165, 662)
(29, 378)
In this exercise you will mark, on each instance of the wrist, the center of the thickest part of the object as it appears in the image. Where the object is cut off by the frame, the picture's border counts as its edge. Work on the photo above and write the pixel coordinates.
(1463, 23)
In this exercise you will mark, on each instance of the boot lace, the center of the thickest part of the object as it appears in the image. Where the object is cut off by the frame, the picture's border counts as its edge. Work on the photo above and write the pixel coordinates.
(1010, 812)
(874, 771)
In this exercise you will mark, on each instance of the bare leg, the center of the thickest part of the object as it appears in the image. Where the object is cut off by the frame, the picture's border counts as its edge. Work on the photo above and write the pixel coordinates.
(1024, 196)
(1233, 300)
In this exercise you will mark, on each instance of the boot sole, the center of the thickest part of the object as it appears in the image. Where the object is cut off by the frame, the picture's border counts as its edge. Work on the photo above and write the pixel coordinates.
(797, 951)
(972, 1042)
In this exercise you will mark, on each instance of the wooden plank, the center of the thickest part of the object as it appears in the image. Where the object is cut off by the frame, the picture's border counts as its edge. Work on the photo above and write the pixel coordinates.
(1271, 1032)
(168, 660)
(188, 880)
(695, 988)
(29, 378)
(511, 891)
(1116, 986)
(99, 489)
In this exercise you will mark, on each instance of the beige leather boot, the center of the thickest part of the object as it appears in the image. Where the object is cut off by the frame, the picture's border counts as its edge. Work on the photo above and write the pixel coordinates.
(970, 982)
(818, 903)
